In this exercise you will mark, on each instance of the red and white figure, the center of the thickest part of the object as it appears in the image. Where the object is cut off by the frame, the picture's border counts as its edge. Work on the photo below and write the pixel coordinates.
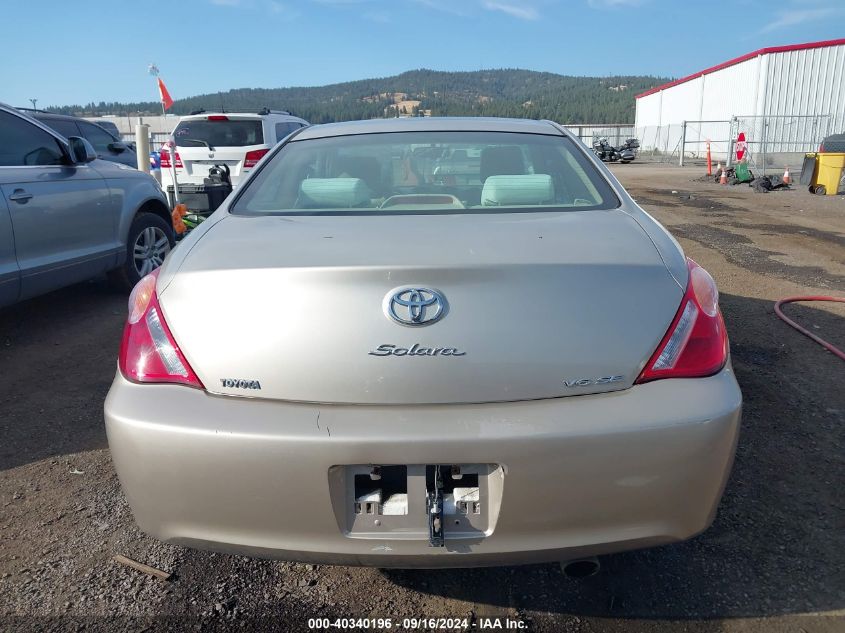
(741, 146)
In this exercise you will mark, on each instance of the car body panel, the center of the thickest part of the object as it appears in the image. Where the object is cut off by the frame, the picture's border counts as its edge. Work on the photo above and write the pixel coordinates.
(77, 222)
(583, 476)
(667, 246)
(431, 124)
(10, 275)
(132, 190)
(65, 231)
(311, 290)
(69, 224)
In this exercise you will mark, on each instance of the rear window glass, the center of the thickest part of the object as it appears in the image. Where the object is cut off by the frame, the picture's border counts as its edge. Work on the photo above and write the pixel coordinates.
(228, 133)
(426, 172)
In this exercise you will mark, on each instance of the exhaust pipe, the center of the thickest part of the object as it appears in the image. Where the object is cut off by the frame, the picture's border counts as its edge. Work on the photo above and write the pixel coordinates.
(581, 567)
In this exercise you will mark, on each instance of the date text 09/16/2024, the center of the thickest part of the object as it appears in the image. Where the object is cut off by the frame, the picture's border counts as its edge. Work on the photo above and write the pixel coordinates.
(413, 624)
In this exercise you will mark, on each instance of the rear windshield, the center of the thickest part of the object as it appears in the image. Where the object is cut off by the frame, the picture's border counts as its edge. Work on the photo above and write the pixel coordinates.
(426, 172)
(228, 133)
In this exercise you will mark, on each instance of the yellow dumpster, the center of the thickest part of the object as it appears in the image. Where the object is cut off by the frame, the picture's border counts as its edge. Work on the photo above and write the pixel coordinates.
(829, 176)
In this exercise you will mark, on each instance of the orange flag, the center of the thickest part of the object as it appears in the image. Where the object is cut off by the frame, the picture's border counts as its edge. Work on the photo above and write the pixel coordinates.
(165, 96)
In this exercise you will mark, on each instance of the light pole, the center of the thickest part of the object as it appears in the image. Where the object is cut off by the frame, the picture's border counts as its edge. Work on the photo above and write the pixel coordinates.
(153, 70)
(34, 101)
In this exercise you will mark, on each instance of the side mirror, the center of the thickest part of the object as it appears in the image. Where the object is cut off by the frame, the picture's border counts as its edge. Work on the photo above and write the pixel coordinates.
(81, 150)
(118, 147)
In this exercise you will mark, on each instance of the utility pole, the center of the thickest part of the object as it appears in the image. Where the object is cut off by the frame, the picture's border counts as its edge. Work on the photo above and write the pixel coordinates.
(34, 101)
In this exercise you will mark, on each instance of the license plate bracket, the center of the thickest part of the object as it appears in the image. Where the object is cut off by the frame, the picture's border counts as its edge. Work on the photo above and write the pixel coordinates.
(437, 503)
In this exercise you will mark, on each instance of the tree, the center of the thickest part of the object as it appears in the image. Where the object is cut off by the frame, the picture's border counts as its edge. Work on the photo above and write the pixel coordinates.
(500, 92)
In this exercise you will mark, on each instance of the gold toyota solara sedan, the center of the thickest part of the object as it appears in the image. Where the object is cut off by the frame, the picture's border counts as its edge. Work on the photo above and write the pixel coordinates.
(428, 342)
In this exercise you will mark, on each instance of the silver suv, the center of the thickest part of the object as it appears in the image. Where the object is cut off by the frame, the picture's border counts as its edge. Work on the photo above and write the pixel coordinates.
(66, 216)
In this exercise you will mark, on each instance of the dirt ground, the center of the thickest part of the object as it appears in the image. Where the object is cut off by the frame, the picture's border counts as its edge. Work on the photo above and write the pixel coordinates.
(774, 559)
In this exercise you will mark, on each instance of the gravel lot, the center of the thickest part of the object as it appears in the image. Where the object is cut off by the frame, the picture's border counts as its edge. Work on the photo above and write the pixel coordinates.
(773, 561)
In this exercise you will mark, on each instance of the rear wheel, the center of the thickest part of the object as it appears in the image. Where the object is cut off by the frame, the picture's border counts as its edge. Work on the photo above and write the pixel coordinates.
(150, 240)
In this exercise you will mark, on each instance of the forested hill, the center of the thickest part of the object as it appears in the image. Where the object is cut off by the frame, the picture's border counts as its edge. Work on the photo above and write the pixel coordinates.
(504, 92)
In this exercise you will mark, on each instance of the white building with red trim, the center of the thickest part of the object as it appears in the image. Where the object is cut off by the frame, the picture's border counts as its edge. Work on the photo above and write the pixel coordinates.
(785, 99)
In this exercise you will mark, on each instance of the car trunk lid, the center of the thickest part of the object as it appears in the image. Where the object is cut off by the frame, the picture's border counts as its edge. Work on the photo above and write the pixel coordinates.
(540, 305)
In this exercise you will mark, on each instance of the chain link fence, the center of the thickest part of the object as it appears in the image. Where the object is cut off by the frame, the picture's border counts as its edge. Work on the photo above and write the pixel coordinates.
(615, 133)
(659, 143)
(776, 141)
(157, 139)
(772, 142)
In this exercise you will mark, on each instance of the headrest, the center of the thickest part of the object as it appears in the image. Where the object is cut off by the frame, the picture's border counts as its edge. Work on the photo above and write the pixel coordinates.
(506, 191)
(333, 193)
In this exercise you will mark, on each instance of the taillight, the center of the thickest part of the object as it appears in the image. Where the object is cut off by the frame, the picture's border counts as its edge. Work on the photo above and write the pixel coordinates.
(697, 342)
(148, 352)
(253, 157)
(165, 160)
(216, 117)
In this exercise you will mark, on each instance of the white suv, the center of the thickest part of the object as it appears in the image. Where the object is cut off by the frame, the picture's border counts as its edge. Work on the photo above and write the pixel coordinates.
(236, 140)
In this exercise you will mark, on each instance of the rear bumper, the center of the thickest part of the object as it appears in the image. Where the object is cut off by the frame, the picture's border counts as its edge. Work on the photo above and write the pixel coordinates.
(583, 475)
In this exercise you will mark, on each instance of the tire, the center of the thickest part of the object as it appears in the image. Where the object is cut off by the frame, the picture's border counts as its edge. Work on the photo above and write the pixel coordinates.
(820, 190)
(150, 240)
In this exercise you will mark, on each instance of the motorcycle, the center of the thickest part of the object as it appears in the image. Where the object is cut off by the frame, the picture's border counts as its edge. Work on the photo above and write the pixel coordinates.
(605, 151)
(609, 154)
(628, 151)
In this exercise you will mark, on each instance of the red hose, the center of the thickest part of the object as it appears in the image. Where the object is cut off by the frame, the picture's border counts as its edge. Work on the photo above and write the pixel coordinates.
(831, 348)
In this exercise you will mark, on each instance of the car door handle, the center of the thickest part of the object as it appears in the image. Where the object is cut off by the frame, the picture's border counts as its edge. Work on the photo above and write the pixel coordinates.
(19, 195)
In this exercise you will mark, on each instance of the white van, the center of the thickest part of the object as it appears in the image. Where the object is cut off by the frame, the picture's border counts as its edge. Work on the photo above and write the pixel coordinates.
(237, 140)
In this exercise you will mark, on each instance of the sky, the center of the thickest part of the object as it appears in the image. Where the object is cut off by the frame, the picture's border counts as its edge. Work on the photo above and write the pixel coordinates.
(63, 53)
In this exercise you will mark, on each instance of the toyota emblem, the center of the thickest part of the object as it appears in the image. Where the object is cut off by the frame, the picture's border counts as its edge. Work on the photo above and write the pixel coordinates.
(415, 306)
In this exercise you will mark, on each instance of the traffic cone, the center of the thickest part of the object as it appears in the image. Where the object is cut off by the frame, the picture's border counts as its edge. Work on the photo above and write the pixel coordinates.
(723, 179)
(786, 178)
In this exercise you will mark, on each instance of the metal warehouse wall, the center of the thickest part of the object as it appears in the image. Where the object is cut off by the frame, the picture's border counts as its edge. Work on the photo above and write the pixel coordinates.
(126, 124)
(732, 90)
(805, 82)
(778, 97)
